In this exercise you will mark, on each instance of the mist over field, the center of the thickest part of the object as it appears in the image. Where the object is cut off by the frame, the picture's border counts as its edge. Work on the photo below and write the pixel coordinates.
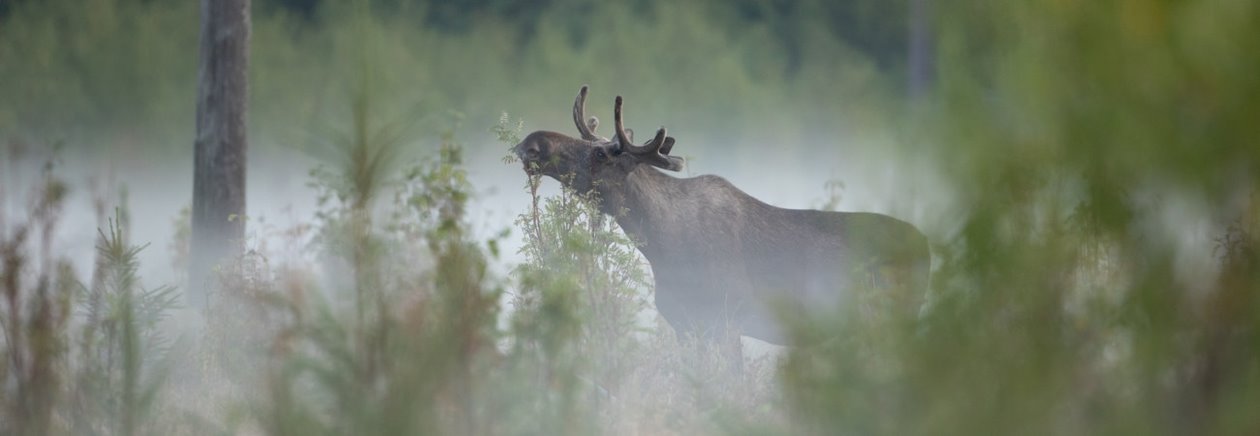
(1084, 172)
(779, 128)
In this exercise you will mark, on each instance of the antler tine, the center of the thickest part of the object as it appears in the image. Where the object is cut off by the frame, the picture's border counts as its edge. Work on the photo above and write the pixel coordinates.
(657, 143)
(579, 117)
(623, 140)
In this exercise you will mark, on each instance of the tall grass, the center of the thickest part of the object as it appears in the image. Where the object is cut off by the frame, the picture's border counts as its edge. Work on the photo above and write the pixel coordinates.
(37, 301)
(78, 359)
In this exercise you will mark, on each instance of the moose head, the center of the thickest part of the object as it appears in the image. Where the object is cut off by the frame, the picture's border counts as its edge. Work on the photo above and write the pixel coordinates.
(591, 161)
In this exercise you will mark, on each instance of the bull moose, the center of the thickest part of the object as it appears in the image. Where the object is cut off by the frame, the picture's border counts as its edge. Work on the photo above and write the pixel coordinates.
(719, 257)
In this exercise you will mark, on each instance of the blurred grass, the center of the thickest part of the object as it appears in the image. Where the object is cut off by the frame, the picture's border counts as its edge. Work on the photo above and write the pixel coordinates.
(79, 358)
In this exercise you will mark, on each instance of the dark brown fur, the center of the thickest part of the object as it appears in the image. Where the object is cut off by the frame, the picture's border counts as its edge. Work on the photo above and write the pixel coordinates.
(720, 257)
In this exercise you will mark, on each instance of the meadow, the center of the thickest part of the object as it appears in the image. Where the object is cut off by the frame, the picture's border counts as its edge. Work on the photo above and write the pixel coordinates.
(1084, 171)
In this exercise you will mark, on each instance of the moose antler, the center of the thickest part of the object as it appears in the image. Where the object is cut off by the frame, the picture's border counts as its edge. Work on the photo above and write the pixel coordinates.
(585, 126)
(623, 138)
(654, 151)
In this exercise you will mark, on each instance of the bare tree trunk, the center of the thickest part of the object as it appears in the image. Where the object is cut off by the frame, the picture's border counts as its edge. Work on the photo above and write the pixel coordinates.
(218, 207)
(919, 58)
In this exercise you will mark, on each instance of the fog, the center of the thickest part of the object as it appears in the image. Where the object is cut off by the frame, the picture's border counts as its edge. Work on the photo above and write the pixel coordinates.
(120, 106)
(1084, 173)
(279, 197)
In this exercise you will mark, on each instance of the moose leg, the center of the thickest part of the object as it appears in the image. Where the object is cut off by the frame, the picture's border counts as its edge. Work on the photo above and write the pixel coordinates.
(713, 337)
(708, 329)
(732, 348)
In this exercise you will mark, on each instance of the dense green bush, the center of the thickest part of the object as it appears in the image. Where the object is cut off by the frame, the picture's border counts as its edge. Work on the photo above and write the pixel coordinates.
(1097, 273)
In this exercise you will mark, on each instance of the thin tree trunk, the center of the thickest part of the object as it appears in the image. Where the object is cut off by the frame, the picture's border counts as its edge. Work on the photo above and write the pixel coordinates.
(920, 57)
(218, 207)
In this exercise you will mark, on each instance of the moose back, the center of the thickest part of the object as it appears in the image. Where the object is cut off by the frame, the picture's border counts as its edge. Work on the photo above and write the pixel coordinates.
(721, 258)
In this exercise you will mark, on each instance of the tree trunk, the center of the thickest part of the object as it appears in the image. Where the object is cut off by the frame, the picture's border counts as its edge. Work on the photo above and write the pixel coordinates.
(920, 59)
(218, 207)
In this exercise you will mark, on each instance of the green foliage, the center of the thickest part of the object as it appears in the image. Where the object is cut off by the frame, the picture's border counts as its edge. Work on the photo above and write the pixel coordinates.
(101, 72)
(415, 337)
(79, 359)
(1096, 256)
(433, 353)
(121, 365)
(579, 267)
(117, 75)
(581, 294)
(35, 316)
(1084, 142)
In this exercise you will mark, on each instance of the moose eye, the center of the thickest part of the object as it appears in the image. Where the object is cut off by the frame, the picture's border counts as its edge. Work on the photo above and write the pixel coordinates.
(599, 153)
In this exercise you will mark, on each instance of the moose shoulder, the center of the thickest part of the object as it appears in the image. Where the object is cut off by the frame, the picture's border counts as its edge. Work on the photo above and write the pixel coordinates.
(720, 257)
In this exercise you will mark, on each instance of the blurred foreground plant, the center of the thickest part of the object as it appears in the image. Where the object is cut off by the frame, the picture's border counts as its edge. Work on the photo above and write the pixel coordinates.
(1094, 147)
(34, 316)
(101, 378)
(122, 363)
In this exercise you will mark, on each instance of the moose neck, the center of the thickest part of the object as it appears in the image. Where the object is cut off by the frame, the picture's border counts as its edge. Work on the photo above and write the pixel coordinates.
(639, 203)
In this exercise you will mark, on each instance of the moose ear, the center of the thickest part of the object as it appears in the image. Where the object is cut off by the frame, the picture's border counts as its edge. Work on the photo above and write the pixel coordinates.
(672, 163)
(592, 123)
